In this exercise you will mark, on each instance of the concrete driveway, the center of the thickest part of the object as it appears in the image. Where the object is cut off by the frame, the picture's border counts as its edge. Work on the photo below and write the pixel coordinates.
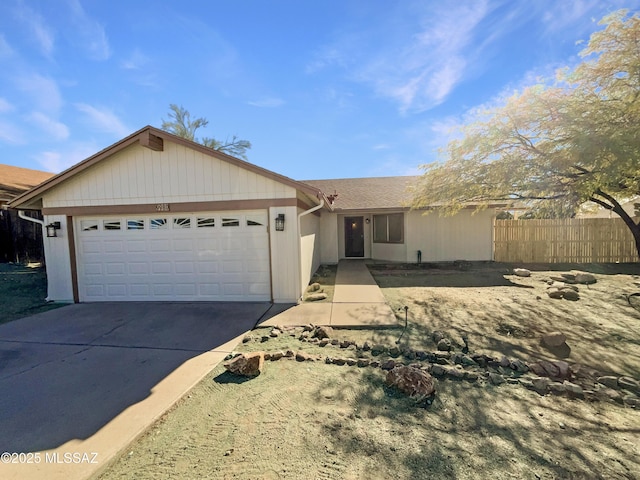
(93, 376)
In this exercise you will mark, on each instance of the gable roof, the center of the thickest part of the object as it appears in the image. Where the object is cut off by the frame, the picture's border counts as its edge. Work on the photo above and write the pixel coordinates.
(17, 180)
(154, 138)
(367, 193)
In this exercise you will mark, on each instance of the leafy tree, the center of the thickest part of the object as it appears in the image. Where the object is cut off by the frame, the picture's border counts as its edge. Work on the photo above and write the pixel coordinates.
(182, 125)
(557, 144)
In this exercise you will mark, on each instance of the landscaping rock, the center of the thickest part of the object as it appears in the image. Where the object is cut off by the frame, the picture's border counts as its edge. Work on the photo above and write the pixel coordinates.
(314, 287)
(351, 362)
(540, 384)
(471, 376)
(305, 357)
(553, 339)
(275, 333)
(247, 339)
(521, 272)
(629, 383)
(438, 370)
(570, 294)
(275, 356)
(556, 370)
(265, 338)
(557, 388)
(374, 363)
(612, 394)
(339, 361)
(554, 293)
(496, 378)
(308, 328)
(573, 389)
(246, 364)
(289, 354)
(437, 336)
(456, 373)
(366, 347)
(631, 401)
(378, 349)
(444, 345)
(363, 362)
(324, 342)
(388, 365)
(323, 332)
(505, 362)
(394, 351)
(315, 297)
(608, 381)
(585, 278)
(411, 381)
(519, 366)
(468, 361)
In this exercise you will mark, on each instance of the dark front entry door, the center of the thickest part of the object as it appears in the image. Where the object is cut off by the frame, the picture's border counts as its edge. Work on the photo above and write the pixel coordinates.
(353, 237)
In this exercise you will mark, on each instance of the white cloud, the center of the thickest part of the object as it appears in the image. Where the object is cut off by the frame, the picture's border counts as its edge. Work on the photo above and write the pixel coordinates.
(136, 61)
(5, 48)
(92, 35)
(56, 161)
(11, 134)
(41, 33)
(267, 102)
(5, 106)
(104, 119)
(43, 91)
(58, 130)
(414, 55)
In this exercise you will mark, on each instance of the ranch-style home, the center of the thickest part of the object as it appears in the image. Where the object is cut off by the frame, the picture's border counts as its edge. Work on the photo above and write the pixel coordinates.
(155, 217)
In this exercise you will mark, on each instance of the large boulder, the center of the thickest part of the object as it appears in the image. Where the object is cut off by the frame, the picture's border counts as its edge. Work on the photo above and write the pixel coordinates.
(323, 332)
(522, 272)
(411, 381)
(246, 364)
(554, 339)
(585, 278)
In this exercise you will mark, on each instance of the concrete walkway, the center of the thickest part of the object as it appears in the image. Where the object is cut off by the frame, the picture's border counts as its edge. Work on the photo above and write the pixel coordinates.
(357, 302)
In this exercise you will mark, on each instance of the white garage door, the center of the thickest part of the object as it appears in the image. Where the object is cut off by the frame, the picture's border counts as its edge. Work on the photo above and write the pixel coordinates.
(217, 256)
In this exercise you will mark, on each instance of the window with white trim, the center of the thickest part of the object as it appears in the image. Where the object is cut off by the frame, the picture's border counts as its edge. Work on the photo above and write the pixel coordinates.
(184, 222)
(88, 225)
(158, 224)
(230, 222)
(135, 224)
(206, 222)
(111, 225)
(388, 228)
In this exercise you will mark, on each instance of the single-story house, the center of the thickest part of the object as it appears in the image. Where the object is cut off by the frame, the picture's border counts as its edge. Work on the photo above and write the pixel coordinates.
(155, 217)
(19, 241)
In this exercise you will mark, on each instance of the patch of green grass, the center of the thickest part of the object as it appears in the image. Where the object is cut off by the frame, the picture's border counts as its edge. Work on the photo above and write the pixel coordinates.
(22, 291)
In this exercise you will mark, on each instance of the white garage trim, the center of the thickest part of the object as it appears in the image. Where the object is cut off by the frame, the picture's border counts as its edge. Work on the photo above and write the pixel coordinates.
(205, 256)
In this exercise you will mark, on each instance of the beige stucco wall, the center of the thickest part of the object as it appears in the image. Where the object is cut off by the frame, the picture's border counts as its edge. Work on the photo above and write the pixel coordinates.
(58, 260)
(464, 236)
(309, 247)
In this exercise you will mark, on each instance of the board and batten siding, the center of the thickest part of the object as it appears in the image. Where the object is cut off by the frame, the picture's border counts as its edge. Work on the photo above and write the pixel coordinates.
(138, 175)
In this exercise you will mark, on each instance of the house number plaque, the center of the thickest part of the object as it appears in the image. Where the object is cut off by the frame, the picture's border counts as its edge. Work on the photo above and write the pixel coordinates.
(162, 207)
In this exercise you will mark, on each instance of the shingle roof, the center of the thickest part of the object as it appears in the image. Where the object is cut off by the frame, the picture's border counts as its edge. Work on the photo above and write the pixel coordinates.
(367, 193)
(15, 180)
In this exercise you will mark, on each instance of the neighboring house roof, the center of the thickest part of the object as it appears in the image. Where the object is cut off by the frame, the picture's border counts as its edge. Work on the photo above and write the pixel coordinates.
(153, 138)
(367, 193)
(17, 180)
(601, 212)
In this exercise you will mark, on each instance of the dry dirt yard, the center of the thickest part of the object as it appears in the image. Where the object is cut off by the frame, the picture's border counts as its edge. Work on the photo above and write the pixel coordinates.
(318, 420)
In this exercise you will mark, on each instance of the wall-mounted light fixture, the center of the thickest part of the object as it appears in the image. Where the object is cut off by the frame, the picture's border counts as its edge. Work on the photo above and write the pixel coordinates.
(51, 229)
(367, 221)
(280, 222)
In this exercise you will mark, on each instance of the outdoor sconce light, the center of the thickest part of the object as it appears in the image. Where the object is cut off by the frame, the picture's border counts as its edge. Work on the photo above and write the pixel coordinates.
(367, 221)
(280, 222)
(51, 229)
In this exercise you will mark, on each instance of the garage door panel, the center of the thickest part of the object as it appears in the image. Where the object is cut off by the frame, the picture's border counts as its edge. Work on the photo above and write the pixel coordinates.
(140, 291)
(138, 268)
(113, 246)
(181, 258)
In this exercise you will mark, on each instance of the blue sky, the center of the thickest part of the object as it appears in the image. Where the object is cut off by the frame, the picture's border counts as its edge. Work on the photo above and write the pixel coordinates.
(322, 89)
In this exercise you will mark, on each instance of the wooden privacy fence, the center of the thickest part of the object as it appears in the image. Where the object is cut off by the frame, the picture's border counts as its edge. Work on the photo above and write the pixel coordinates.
(574, 240)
